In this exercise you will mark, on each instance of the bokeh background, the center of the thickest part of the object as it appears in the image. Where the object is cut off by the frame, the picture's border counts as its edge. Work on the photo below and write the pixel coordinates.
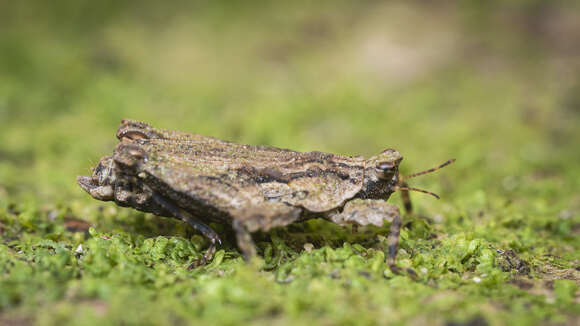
(494, 84)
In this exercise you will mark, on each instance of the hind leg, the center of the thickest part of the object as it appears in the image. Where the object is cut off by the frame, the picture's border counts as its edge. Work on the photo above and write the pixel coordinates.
(375, 212)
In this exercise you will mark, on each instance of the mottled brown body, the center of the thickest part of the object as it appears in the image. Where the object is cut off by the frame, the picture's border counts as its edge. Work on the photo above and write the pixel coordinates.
(201, 179)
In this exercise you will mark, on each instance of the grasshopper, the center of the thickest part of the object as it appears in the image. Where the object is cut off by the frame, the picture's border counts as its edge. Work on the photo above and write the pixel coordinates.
(202, 180)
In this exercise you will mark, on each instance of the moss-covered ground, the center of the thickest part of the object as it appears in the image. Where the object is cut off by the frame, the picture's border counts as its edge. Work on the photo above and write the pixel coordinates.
(493, 84)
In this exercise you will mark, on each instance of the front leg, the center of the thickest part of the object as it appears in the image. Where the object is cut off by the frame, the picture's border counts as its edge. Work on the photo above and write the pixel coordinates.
(369, 211)
(195, 223)
(406, 198)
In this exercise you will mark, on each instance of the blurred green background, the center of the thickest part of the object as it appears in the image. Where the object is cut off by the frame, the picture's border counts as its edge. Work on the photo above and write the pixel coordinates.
(494, 84)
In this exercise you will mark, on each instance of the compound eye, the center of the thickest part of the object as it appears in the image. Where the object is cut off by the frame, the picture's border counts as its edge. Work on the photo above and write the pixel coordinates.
(384, 166)
(385, 169)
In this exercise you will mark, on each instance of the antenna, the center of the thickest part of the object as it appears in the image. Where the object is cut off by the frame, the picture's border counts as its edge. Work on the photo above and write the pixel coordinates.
(428, 171)
(419, 190)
